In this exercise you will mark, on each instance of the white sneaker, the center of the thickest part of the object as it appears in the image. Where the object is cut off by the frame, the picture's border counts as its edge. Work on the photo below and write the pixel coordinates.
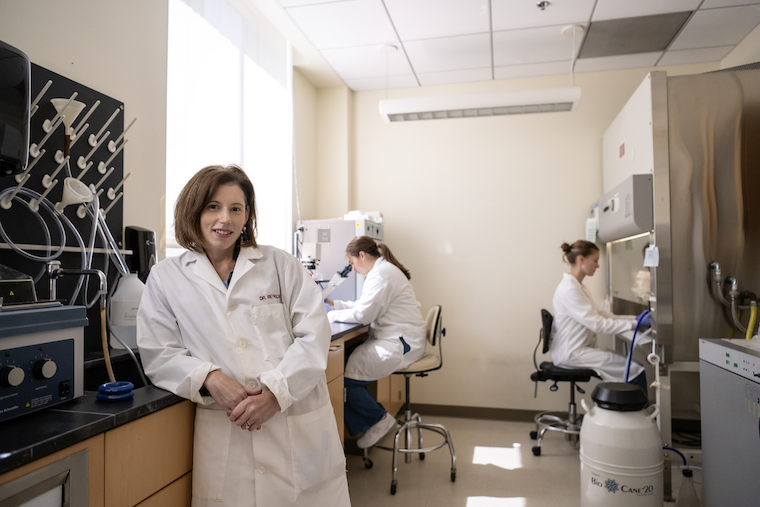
(376, 431)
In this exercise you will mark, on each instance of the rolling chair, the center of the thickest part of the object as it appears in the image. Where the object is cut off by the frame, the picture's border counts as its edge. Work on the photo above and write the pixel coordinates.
(431, 361)
(552, 421)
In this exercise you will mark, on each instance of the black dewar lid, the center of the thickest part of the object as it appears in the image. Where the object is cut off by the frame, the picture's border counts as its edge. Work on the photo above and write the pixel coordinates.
(619, 396)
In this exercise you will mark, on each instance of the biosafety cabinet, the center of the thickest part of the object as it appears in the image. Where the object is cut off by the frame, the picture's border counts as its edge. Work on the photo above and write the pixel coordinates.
(694, 140)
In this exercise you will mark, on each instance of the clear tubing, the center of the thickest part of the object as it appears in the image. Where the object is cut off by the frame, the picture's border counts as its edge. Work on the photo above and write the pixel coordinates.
(735, 315)
(116, 256)
(60, 218)
(16, 248)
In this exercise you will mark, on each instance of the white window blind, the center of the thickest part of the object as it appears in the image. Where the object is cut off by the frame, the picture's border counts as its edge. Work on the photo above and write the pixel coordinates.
(229, 100)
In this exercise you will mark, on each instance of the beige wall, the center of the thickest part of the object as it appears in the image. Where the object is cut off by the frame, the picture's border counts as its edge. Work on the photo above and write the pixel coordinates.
(477, 209)
(305, 135)
(116, 48)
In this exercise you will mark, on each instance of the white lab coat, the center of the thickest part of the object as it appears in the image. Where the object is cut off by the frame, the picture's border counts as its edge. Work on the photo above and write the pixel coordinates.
(267, 330)
(387, 303)
(577, 321)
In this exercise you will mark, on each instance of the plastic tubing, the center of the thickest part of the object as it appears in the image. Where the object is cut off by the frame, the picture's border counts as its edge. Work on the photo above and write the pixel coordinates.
(60, 218)
(666, 448)
(752, 317)
(104, 337)
(16, 248)
(633, 342)
(735, 315)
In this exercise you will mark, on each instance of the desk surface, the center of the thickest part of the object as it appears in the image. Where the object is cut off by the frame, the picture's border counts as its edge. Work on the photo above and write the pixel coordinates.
(346, 329)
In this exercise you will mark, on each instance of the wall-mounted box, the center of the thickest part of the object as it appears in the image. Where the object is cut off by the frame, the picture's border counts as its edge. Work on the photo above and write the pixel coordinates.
(626, 210)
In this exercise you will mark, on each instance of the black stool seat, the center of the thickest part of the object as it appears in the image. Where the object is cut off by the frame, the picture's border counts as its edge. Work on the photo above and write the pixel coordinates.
(549, 371)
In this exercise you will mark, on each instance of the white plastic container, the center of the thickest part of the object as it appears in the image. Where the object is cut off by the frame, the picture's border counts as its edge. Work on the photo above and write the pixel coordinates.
(620, 450)
(124, 304)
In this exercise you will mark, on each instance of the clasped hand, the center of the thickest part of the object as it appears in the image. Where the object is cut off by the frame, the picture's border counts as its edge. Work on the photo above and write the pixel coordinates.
(243, 405)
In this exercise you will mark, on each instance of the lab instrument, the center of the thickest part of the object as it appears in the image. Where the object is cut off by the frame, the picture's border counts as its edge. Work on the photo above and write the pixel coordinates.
(729, 371)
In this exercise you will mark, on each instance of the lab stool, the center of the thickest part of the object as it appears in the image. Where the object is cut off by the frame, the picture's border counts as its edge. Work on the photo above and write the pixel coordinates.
(431, 361)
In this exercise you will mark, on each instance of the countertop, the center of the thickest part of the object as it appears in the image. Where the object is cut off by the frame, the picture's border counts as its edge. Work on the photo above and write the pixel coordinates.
(33, 436)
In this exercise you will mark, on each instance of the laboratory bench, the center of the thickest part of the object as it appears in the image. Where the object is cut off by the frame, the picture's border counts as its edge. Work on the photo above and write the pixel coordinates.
(140, 449)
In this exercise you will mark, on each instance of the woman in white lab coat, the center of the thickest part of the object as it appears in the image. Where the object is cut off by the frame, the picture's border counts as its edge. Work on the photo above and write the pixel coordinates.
(397, 334)
(240, 330)
(578, 320)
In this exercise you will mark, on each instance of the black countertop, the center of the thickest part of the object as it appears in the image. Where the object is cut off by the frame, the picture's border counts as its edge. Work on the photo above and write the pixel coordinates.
(33, 436)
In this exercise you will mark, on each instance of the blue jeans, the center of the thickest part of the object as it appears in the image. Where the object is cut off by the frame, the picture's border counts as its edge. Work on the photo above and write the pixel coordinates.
(360, 411)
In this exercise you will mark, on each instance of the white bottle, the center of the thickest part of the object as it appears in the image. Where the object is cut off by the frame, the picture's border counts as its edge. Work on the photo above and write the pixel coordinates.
(124, 304)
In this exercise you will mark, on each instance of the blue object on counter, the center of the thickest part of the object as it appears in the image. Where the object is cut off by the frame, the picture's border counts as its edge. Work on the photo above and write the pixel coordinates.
(115, 391)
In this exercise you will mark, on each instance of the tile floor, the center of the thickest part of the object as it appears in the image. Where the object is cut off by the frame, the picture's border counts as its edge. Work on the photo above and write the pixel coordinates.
(495, 468)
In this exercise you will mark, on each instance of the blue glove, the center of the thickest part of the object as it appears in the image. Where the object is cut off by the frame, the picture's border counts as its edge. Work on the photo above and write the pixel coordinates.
(644, 319)
(328, 308)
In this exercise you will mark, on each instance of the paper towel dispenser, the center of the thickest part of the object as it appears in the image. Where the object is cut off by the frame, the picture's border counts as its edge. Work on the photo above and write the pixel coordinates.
(626, 210)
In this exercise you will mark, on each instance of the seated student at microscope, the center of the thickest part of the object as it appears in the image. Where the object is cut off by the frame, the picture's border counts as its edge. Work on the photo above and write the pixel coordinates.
(397, 336)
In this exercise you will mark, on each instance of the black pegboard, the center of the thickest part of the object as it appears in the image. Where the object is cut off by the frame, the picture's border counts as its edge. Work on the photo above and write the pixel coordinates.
(24, 228)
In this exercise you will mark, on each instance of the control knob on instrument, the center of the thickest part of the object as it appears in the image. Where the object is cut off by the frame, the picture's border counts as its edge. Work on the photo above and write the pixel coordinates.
(45, 369)
(11, 376)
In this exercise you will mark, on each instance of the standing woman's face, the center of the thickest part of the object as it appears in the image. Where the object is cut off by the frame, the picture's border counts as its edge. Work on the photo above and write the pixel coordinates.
(589, 264)
(223, 218)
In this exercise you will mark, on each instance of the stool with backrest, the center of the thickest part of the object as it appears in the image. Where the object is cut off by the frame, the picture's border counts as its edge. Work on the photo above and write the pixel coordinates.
(553, 421)
(431, 361)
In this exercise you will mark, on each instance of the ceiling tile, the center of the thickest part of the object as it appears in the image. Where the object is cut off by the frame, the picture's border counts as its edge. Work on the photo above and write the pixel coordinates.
(712, 4)
(718, 27)
(618, 62)
(343, 24)
(429, 19)
(295, 3)
(367, 61)
(532, 45)
(532, 69)
(450, 53)
(510, 15)
(684, 56)
(379, 83)
(454, 76)
(626, 36)
(616, 9)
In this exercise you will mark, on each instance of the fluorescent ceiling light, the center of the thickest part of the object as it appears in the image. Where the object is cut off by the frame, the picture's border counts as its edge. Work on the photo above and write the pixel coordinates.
(549, 100)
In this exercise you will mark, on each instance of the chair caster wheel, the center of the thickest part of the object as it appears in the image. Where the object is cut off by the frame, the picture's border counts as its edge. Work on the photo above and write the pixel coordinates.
(453, 476)
(393, 489)
(368, 463)
(422, 456)
(536, 451)
(533, 435)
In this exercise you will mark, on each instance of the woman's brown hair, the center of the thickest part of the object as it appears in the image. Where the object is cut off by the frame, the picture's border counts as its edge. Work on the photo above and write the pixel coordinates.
(580, 247)
(367, 245)
(195, 196)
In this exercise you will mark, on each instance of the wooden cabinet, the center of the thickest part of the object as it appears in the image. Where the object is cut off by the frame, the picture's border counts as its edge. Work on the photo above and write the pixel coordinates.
(176, 494)
(334, 375)
(146, 455)
(95, 455)
(389, 391)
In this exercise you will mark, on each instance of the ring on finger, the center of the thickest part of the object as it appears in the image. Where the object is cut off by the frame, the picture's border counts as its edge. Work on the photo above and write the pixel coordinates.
(247, 425)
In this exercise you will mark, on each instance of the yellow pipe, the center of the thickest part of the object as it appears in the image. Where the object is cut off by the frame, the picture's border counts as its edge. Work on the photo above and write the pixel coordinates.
(104, 335)
(752, 317)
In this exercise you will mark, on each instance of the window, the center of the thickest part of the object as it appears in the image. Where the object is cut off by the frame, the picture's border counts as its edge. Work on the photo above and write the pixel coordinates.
(229, 100)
